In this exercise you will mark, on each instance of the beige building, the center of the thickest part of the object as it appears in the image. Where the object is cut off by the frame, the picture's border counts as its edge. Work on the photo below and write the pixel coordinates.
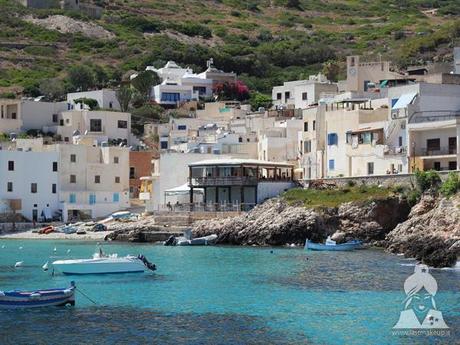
(10, 115)
(363, 76)
(100, 125)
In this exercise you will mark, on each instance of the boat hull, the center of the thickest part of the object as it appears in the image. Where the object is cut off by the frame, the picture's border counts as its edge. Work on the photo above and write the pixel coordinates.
(37, 299)
(100, 266)
(344, 247)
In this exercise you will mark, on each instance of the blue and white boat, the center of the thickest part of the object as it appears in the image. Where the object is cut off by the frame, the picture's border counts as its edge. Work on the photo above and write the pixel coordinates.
(38, 298)
(331, 245)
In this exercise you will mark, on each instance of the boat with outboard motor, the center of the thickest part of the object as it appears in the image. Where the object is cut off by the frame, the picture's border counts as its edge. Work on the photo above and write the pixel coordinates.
(331, 245)
(38, 298)
(104, 264)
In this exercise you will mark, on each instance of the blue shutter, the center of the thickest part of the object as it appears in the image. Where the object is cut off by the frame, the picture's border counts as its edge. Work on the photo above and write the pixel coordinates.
(331, 164)
(116, 197)
(92, 199)
(332, 139)
(72, 198)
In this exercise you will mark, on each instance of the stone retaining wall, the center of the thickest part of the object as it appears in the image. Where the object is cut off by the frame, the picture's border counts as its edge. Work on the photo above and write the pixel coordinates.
(384, 180)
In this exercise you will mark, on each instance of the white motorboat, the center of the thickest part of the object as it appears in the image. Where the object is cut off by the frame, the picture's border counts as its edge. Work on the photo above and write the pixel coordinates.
(104, 264)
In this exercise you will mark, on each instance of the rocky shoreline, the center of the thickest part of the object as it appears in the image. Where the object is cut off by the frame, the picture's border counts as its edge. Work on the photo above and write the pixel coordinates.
(429, 232)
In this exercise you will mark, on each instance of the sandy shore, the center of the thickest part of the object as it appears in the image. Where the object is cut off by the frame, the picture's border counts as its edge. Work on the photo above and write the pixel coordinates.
(29, 235)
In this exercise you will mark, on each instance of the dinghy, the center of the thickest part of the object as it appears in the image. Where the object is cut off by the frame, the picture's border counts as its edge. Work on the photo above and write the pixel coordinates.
(104, 264)
(38, 298)
(331, 245)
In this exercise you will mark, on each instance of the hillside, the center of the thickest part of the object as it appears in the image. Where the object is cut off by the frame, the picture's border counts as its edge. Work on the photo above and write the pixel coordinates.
(265, 41)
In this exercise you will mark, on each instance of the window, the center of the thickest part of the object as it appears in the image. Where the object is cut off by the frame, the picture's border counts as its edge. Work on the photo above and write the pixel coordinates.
(92, 199)
(200, 89)
(400, 141)
(307, 146)
(9, 187)
(170, 97)
(132, 172)
(287, 95)
(111, 106)
(279, 95)
(331, 164)
(304, 96)
(95, 125)
(10, 165)
(433, 145)
(314, 125)
(97, 179)
(164, 145)
(33, 188)
(117, 179)
(53, 188)
(13, 116)
(181, 127)
(73, 158)
(437, 166)
(452, 165)
(67, 121)
(55, 166)
(72, 198)
(55, 118)
(240, 139)
(66, 139)
(352, 61)
(116, 160)
(116, 197)
(73, 178)
(370, 168)
(400, 167)
(61, 122)
(305, 126)
(122, 124)
(332, 139)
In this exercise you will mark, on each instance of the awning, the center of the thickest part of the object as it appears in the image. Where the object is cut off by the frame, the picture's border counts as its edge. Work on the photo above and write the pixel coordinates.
(367, 129)
(182, 190)
(404, 100)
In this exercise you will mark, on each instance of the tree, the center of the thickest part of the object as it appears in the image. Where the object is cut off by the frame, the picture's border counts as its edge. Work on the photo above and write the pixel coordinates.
(81, 78)
(259, 100)
(53, 89)
(232, 91)
(124, 95)
(331, 70)
(90, 102)
(144, 82)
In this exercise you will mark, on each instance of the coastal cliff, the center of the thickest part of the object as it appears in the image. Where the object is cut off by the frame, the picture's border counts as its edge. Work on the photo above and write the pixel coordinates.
(431, 233)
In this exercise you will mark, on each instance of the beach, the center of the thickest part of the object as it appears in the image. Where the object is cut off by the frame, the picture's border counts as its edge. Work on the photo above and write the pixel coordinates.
(30, 235)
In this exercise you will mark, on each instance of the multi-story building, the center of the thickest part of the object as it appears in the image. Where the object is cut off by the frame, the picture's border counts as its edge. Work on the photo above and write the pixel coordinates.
(93, 180)
(101, 125)
(300, 94)
(10, 115)
(30, 181)
(140, 165)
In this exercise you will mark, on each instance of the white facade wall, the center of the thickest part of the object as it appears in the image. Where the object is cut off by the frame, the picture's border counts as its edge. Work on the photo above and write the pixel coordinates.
(267, 190)
(106, 99)
(36, 115)
(30, 167)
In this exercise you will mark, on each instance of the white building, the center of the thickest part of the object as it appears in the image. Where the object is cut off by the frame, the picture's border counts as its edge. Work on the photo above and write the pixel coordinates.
(30, 179)
(299, 94)
(106, 98)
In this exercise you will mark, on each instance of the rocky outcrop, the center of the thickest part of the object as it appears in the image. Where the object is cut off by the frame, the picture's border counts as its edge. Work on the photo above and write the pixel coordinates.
(275, 222)
(431, 233)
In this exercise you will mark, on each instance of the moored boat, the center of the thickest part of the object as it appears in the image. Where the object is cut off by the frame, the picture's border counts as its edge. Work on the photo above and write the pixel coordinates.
(331, 245)
(104, 264)
(38, 298)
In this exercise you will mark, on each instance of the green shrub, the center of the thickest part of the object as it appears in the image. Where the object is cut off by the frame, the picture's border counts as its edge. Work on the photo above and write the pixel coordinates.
(351, 183)
(413, 196)
(451, 185)
(427, 180)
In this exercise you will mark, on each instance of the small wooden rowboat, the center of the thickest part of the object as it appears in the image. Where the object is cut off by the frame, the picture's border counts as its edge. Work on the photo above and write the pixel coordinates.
(333, 246)
(38, 298)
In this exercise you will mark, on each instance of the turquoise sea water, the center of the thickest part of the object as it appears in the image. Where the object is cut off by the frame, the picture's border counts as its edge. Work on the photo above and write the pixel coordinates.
(221, 295)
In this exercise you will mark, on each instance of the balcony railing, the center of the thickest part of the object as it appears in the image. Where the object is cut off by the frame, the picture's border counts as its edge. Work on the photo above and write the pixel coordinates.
(223, 181)
(423, 151)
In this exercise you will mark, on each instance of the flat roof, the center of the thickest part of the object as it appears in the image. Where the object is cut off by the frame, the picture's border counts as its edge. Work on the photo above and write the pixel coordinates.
(237, 161)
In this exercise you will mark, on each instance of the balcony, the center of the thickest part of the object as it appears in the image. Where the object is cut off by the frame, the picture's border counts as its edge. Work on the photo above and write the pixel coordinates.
(223, 181)
(441, 151)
